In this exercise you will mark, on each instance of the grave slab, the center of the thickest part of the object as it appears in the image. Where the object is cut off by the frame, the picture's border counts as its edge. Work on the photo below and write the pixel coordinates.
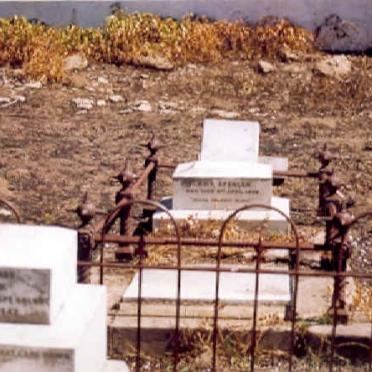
(37, 272)
(160, 284)
(75, 342)
(222, 185)
(231, 140)
(249, 219)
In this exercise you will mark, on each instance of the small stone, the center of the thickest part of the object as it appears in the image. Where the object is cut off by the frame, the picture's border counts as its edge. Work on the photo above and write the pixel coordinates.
(156, 61)
(167, 112)
(198, 110)
(145, 84)
(34, 85)
(126, 111)
(335, 66)
(288, 55)
(4, 100)
(168, 108)
(20, 99)
(116, 98)
(142, 106)
(90, 88)
(101, 102)
(83, 103)
(224, 114)
(294, 68)
(102, 80)
(5, 212)
(168, 105)
(265, 67)
(76, 61)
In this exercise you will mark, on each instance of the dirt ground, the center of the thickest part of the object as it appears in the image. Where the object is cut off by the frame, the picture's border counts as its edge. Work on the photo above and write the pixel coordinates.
(51, 151)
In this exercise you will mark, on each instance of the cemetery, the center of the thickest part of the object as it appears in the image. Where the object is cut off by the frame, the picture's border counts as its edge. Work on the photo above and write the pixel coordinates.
(185, 194)
(164, 301)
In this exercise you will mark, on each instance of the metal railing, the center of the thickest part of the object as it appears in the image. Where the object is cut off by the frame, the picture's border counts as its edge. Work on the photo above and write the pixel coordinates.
(333, 209)
(96, 231)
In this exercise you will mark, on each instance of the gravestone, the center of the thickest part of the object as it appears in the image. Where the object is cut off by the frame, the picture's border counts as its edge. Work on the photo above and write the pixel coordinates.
(29, 293)
(201, 186)
(234, 287)
(48, 322)
(227, 140)
(230, 174)
(198, 294)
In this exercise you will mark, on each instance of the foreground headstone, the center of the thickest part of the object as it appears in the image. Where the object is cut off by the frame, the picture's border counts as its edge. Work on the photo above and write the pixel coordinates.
(37, 272)
(229, 175)
(76, 341)
(48, 322)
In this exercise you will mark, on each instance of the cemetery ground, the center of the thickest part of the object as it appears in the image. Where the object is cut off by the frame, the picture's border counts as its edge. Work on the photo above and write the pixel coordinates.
(58, 141)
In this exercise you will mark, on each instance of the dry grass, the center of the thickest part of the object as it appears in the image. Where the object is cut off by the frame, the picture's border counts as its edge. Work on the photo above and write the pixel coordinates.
(40, 50)
(163, 255)
(362, 299)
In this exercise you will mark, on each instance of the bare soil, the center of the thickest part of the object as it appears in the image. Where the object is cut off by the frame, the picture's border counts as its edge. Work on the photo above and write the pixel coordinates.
(52, 152)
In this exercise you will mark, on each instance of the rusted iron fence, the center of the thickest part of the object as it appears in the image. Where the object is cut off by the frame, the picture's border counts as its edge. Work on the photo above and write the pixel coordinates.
(11, 208)
(94, 233)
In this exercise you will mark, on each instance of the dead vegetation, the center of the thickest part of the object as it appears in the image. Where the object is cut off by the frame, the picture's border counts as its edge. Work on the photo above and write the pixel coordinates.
(143, 39)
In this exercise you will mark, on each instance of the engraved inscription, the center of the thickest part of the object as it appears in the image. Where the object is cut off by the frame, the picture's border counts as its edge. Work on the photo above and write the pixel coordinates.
(51, 360)
(222, 193)
(24, 295)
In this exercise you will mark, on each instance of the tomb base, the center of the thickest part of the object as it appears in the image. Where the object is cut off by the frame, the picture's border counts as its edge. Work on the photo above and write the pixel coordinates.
(75, 342)
(158, 284)
(249, 219)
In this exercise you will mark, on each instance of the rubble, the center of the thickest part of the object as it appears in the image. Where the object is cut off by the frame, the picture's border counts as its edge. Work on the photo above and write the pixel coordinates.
(265, 67)
(76, 61)
(116, 98)
(334, 66)
(156, 61)
(83, 103)
(142, 106)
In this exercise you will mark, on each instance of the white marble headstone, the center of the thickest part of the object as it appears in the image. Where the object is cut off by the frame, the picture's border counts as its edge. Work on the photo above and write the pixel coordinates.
(207, 185)
(74, 342)
(37, 272)
(230, 140)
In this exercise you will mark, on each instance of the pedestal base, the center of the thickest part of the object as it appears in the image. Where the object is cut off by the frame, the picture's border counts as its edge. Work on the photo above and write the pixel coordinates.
(247, 219)
(75, 342)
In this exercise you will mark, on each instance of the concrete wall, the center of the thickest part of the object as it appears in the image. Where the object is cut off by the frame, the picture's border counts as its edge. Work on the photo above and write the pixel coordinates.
(307, 13)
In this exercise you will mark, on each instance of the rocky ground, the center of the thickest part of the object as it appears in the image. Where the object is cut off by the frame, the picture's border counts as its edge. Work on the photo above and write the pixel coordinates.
(58, 141)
